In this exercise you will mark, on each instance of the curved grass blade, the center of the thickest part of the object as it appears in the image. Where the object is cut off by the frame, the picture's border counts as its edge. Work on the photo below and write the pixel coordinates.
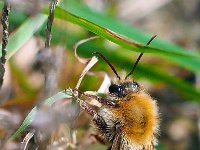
(114, 30)
(105, 27)
(48, 102)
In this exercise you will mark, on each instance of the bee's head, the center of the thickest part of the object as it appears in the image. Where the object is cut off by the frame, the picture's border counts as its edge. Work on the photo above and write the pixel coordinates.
(122, 89)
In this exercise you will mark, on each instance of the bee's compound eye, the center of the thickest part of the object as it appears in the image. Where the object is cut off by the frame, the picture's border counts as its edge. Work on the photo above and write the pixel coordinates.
(115, 89)
(132, 86)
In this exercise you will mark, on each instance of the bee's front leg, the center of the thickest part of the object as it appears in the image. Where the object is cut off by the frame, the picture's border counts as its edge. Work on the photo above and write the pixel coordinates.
(98, 120)
(102, 100)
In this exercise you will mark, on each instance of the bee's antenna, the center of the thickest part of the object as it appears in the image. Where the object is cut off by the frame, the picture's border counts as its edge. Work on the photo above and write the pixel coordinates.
(106, 60)
(139, 57)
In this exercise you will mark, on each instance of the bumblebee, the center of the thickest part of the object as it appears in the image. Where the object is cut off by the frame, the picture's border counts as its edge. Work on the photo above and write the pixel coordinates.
(128, 118)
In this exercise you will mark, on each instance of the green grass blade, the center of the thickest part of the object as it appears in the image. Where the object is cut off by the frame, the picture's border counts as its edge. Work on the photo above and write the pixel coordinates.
(48, 102)
(104, 26)
(190, 63)
(107, 27)
(24, 33)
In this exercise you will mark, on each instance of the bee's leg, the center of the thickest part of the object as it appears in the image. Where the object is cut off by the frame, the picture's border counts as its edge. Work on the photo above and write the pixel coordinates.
(116, 141)
(98, 120)
(99, 138)
(104, 101)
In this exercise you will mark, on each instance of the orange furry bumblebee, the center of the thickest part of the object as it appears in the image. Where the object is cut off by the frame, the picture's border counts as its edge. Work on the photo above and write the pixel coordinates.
(128, 118)
(135, 115)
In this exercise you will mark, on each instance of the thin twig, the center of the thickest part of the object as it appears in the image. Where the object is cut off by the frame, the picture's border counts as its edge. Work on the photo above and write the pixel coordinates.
(50, 71)
(5, 25)
(50, 22)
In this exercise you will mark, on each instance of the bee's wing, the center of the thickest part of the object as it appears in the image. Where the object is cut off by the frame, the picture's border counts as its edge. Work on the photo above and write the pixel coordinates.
(116, 142)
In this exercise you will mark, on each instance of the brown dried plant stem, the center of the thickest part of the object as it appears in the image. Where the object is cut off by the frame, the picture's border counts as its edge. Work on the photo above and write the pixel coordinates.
(5, 25)
(50, 83)
(50, 22)
(49, 69)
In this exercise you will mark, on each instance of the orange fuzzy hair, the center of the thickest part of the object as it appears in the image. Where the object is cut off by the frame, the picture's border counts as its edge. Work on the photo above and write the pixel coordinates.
(138, 114)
